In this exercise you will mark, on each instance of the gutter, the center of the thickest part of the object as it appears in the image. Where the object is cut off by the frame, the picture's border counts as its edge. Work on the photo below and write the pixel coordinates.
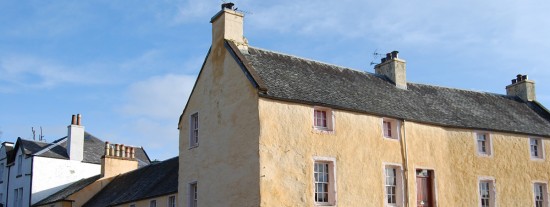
(405, 164)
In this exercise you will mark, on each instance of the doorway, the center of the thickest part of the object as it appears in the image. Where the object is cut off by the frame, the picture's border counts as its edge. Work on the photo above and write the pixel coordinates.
(425, 188)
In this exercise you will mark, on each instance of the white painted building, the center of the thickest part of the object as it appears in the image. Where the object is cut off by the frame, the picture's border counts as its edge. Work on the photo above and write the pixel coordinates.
(33, 170)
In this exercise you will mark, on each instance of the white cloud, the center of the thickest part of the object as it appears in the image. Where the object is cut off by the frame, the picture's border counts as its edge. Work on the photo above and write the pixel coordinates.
(159, 97)
(18, 72)
(194, 10)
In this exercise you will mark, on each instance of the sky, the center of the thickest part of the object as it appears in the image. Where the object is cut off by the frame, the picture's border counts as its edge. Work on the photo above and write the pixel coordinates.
(129, 66)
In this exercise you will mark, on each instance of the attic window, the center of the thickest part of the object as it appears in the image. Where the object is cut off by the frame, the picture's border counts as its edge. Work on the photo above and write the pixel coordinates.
(322, 119)
(536, 149)
(194, 130)
(484, 144)
(390, 128)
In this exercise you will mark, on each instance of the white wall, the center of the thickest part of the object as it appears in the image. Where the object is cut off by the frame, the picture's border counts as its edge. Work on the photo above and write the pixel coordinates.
(51, 175)
(3, 182)
(22, 181)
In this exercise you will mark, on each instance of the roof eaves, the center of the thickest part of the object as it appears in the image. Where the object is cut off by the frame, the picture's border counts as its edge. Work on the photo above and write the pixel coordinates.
(394, 117)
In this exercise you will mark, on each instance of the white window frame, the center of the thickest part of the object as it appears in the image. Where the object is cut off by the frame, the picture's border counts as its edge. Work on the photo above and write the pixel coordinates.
(545, 197)
(332, 181)
(492, 190)
(488, 144)
(171, 201)
(193, 194)
(395, 126)
(153, 203)
(2, 166)
(194, 132)
(540, 148)
(399, 187)
(329, 119)
(19, 165)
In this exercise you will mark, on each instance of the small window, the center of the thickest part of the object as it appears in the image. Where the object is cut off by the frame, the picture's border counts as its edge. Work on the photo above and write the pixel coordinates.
(153, 203)
(541, 194)
(193, 194)
(194, 130)
(172, 201)
(322, 119)
(483, 144)
(324, 182)
(18, 197)
(1, 173)
(390, 128)
(487, 193)
(19, 164)
(536, 148)
(393, 184)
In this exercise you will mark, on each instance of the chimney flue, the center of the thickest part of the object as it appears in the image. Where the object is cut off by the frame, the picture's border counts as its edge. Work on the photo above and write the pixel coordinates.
(394, 54)
(73, 120)
(228, 5)
(78, 119)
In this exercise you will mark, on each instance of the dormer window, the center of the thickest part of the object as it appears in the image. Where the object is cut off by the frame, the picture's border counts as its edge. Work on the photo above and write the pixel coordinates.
(390, 128)
(322, 119)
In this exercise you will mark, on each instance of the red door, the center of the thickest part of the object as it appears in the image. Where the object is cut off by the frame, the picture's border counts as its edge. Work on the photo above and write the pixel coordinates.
(424, 191)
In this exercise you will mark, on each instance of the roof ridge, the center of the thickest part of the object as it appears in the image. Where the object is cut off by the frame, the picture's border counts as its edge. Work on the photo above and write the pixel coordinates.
(459, 89)
(370, 73)
(60, 141)
(311, 60)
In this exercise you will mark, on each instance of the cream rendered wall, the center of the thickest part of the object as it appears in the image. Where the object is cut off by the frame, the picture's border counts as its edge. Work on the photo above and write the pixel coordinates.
(162, 201)
(226, 163)
(452, 153)
(51, 175)
(288, 144)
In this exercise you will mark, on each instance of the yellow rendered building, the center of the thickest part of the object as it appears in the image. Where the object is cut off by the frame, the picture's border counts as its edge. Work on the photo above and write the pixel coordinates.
(266, 129)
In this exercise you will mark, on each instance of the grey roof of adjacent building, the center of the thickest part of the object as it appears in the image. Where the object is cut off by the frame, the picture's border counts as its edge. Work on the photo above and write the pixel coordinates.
(295, 79)
(94, 149)
(151, 181)
(63, 194)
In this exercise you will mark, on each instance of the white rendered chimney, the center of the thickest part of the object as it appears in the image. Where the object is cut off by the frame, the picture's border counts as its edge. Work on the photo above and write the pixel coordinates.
(75, 140)
(227, 24)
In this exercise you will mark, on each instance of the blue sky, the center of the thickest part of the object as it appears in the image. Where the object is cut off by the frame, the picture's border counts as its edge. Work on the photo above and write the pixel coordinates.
(128, 66)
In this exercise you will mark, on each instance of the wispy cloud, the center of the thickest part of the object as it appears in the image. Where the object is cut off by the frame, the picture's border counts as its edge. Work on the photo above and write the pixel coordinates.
(193, 10)
(17, 72)
(159, 97)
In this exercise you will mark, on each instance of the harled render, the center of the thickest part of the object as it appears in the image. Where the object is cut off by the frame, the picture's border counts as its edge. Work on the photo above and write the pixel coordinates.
(262, 128)
(31, 171)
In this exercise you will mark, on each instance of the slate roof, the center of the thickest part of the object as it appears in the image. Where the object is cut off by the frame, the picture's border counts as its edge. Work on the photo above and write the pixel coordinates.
(300, 80)
(154, 180)
(94, 148)
(64, 193)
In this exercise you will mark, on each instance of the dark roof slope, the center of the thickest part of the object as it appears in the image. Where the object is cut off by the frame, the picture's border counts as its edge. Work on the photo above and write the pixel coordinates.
(151, 181)
(299, 80)
(94, 148)
(64, 193)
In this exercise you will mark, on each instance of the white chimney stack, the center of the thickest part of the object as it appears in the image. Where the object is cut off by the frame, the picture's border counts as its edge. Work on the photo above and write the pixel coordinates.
(75, 140)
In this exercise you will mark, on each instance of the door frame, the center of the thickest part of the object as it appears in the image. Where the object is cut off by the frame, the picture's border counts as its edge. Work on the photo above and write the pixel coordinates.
(434, 185)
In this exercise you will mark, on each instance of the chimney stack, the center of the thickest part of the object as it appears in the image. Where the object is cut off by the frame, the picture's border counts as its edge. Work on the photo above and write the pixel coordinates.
(227, 24)
(117, 159)
(393, 68)
(522, 87)
(75, 139)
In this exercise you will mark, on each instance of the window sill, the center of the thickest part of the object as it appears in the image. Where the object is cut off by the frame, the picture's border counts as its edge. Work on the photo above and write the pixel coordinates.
(391, 138)
(18, 176)
(325, 204)
(321, 130)
(193, 147)
(537, 159)
(485, 155)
